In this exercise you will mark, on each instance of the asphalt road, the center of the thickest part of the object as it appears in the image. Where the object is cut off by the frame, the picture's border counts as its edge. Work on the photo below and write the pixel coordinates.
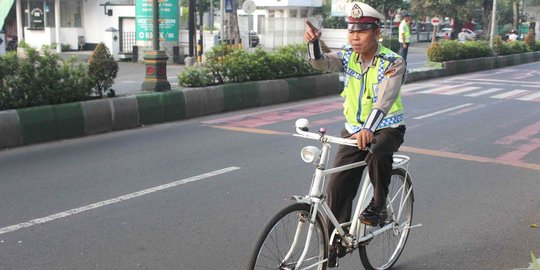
(195, 194)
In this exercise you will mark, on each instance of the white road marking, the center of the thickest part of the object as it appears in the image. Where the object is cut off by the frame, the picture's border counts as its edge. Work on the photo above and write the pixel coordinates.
(407, 88)
(509, 94)
(126, 197)
(443, 111)
(530, 97)
(442, 88)
(483, 92)
(460, 90)
(513, 82)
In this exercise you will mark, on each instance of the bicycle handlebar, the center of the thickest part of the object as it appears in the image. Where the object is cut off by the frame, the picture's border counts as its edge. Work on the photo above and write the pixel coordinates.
(301, 129)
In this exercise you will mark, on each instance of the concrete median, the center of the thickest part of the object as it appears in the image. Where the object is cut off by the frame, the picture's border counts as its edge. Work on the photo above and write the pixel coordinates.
(53, 122)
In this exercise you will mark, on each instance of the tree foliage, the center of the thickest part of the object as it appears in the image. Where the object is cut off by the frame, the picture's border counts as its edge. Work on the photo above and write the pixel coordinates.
(446, 8)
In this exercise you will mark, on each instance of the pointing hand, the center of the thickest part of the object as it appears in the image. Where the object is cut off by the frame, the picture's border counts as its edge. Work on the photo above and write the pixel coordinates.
(312, 33)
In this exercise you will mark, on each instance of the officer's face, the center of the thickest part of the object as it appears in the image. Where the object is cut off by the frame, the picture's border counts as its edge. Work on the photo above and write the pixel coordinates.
(364, 41)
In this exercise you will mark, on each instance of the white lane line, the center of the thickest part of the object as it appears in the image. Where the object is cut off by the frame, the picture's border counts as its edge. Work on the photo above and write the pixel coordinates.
(460, 90)
(79, 210)
(509, 94)
(530, 97)
(443, 111)
(483, 92)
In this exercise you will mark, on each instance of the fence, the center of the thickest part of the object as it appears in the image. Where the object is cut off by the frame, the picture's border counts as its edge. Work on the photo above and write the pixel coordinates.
(127, 42)
(277, 32)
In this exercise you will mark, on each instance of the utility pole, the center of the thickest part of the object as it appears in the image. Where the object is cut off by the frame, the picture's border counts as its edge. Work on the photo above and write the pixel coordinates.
(155, 60)
(191, 26)
(493, 23)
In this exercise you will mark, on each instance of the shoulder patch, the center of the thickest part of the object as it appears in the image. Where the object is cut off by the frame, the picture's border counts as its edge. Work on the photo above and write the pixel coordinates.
(390, 72)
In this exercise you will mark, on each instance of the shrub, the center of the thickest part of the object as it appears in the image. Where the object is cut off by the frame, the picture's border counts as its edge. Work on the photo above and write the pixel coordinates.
(448, 50)
(391, 43)
(195, 77)
(102, 69)
(226, 65)
(518, 47)
(500, 47)
(434, 52)
(530, 40)
(44, 79)
(63, 47)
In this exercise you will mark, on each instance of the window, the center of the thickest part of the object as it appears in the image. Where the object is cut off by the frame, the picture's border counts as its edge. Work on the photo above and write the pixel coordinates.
(292, 13)
(49, 13)
(36, 15)
(70, 13)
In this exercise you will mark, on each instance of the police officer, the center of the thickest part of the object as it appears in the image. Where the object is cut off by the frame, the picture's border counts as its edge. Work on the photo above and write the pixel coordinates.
(372, 109)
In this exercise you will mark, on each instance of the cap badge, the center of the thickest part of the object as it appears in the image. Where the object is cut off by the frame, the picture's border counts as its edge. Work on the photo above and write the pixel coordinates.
(356, 11)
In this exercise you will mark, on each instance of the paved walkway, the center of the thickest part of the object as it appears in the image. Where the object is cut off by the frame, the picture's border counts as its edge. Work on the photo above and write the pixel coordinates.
(130, 75)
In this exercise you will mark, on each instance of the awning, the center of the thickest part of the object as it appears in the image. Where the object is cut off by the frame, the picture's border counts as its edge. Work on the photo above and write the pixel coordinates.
(5, 7)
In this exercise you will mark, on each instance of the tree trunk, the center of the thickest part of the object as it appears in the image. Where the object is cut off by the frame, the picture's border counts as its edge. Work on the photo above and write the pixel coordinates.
(487, 6)
(234, 24)
(516, 15)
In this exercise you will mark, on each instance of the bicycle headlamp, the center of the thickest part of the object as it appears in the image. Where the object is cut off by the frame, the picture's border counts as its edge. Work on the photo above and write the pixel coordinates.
(310, 153)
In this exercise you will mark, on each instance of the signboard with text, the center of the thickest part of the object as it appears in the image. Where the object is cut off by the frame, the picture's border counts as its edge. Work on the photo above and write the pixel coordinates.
(338, 8)
(168, 18)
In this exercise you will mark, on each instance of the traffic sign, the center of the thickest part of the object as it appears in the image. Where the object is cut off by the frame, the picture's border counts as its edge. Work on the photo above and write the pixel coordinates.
(435, 21)
(249, 6)
(228, 6)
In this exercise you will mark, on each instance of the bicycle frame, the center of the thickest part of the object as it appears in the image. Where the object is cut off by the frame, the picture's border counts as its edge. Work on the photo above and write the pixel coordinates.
(319, 205)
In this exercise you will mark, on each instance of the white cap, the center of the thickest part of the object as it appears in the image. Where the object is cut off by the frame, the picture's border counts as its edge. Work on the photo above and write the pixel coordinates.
(357, 10)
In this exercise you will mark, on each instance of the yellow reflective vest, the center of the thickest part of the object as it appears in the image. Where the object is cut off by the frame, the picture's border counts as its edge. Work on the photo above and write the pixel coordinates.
(361, 89)
(405, 30)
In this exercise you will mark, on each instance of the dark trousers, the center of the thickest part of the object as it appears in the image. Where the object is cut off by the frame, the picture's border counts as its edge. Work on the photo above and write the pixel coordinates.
(403, 51)
(343, 186)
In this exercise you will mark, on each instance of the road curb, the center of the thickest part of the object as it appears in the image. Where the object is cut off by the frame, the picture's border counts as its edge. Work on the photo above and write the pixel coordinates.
(53, 122)
(11, 129)
(98, 116)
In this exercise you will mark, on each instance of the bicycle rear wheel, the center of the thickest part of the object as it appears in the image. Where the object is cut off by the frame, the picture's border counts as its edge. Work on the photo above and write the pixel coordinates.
(276, 247)
(383, 250)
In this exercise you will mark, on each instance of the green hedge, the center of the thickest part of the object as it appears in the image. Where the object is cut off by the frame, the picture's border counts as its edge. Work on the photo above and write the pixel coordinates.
(33, 79)
(226, 65)
(448, 50)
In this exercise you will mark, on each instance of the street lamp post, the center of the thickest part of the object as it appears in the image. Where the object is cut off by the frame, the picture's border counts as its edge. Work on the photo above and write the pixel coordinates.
(155, 60)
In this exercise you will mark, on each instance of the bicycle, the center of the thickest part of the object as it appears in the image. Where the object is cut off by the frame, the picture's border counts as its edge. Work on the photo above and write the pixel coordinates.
(297, 236)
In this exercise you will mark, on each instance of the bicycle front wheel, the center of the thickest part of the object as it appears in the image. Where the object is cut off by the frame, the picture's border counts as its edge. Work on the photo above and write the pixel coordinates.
(383, 250)
(284, 239)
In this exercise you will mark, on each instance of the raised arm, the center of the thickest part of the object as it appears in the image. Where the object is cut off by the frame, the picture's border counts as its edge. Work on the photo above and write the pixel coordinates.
(325, 62)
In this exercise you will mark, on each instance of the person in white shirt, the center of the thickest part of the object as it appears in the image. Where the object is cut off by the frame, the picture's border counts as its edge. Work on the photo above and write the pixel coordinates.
(513, 36)
(462, 36)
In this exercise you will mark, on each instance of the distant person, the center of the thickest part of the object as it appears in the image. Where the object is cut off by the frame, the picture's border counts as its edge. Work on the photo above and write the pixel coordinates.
(462, 36)
(513, 36)
(404, 35)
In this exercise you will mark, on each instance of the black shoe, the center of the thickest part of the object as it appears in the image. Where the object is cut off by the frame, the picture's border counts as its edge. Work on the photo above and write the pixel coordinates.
(373, 216)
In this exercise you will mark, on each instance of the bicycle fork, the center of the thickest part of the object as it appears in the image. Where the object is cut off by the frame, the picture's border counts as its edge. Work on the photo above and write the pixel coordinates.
(302, 222)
